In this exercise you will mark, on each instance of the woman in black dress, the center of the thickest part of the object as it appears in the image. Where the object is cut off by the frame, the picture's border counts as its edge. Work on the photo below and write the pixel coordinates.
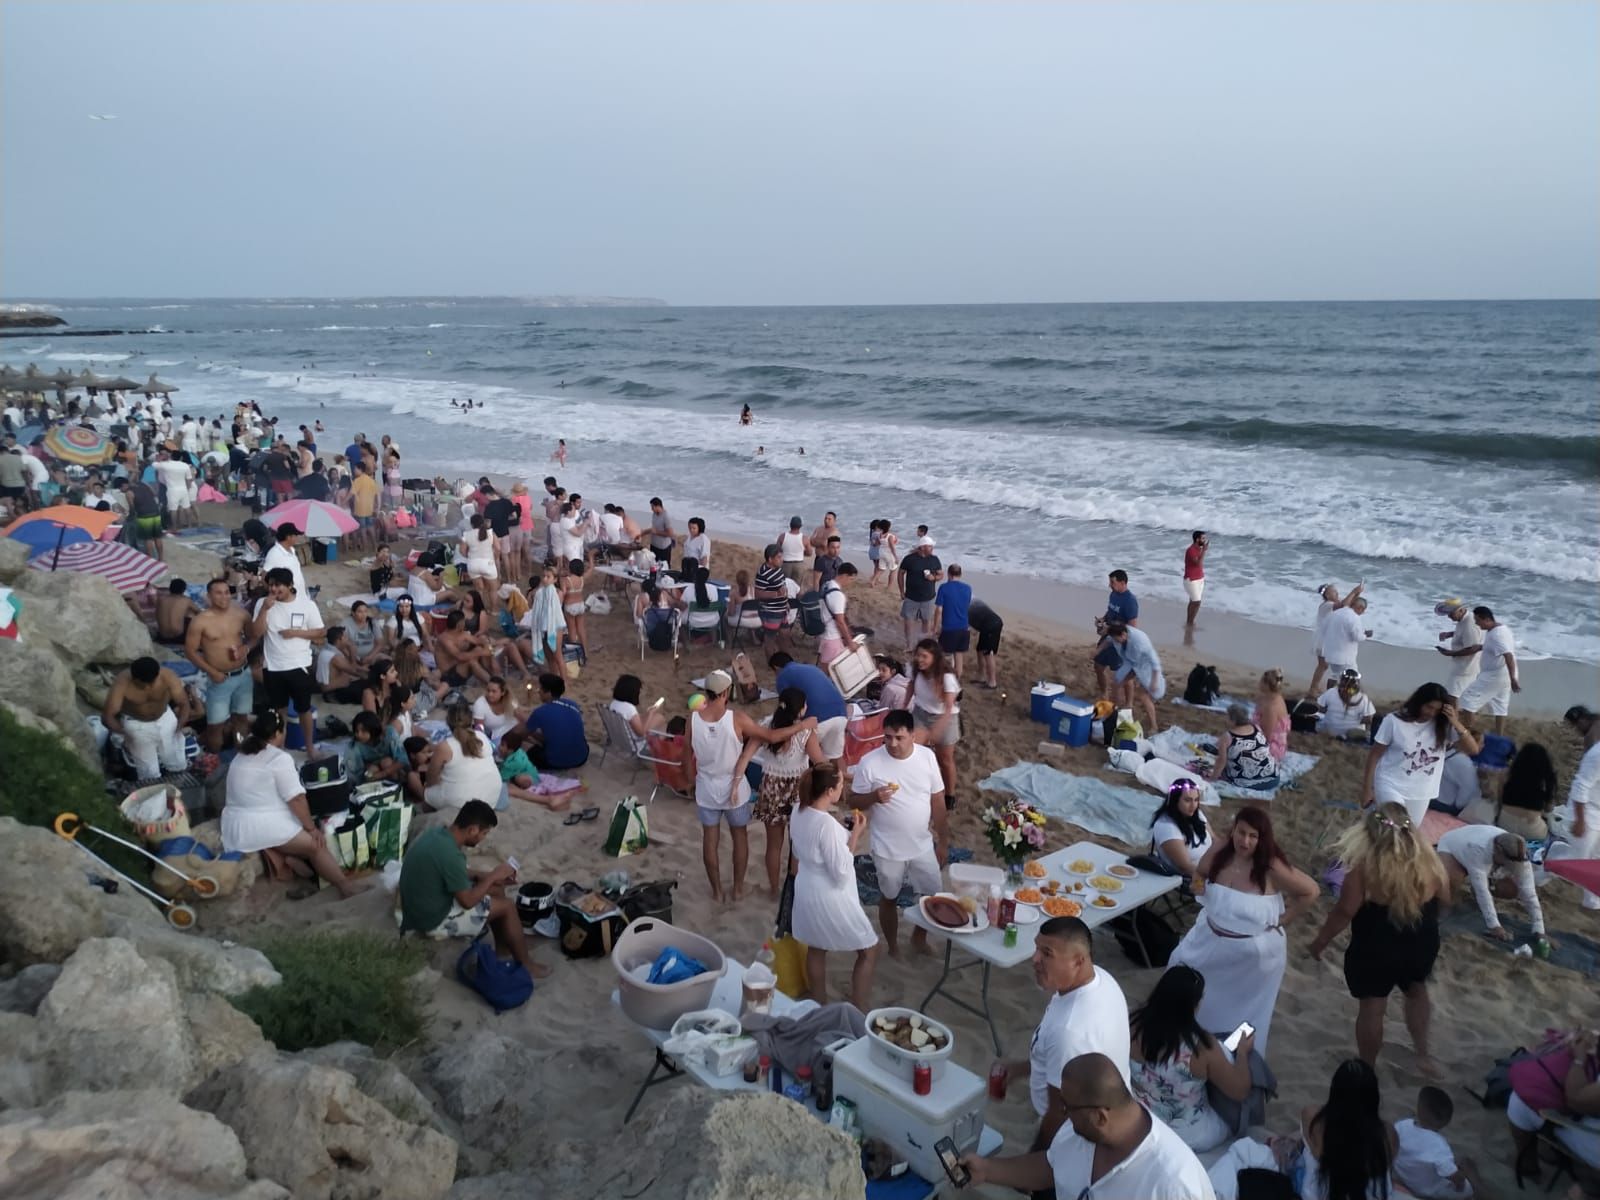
(1390, 900)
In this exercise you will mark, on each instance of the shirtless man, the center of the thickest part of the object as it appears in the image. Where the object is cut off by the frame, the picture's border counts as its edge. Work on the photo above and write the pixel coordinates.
(219, 643)
(149, 708)
(173, 611)
(462, 655)
(820, 535)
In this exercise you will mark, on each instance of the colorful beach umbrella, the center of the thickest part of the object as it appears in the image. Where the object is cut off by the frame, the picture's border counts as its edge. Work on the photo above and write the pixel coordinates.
(314, 518)
(125, 568)
(59, 526)
(78, 444)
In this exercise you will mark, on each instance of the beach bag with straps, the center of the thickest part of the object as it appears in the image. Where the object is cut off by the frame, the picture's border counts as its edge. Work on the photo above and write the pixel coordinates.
(811, 620)
(505, 985)
(1203, 687)
(629, 831)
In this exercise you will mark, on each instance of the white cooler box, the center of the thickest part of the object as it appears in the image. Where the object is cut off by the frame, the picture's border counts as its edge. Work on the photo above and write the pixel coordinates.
(910, 1124)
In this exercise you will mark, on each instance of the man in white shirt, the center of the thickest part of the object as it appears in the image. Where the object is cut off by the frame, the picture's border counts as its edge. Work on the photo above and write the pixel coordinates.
(900, 784)
(698, 544)
(1464, 641)
(1424, 1164)
(97, 493)
(282, 554)
(1472, 853)
(1087, 1014)
(836, 631)
(1342, 634)
(288, 623)
(1113, 1149)
(175, 475)
(1345, 709)
(1581, 814)
(1497, 670)
(189, 431)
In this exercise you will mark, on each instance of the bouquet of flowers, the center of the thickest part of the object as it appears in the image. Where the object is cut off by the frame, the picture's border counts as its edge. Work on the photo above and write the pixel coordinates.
(1015, 831)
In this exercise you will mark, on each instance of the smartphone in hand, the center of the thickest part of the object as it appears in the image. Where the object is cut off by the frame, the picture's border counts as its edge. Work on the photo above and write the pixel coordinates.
(1231, 1042)
(950, 1160)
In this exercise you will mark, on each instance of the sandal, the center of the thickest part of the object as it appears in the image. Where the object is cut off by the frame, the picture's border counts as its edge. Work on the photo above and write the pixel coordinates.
(573, 818)
(589, 814)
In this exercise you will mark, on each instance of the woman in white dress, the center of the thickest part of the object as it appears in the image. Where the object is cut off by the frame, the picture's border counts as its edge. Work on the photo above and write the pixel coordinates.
(827, 910)
(462, 767)
(1238, 943)
(267, 807)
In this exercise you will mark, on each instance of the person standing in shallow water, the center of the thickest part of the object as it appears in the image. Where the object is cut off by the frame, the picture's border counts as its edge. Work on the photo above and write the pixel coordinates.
(1194, 572)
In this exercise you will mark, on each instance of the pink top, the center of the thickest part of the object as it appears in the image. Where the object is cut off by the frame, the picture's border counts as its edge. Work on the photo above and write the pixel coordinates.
(1277, 735)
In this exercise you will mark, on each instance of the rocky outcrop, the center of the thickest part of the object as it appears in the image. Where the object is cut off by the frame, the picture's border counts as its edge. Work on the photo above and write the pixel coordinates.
(492, 1088)
(380, 1079)
(115, 1020)
(35, 682)
(47, 907)
(30, 320)
(202, 965)
(223, 1035)
(711, 1146)
(310, 1128)
(13, 559)
(23, 992)
(82, 616)
(123, 1145)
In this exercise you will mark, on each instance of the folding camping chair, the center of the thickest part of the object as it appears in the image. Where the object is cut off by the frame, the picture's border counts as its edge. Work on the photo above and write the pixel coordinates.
(862, 735)
(620, 738)
(704, 619)
(672, 616)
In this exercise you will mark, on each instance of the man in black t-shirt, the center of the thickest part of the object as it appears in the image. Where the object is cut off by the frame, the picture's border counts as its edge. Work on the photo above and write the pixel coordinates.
(315, 485)
(500, 513)
(917, 580)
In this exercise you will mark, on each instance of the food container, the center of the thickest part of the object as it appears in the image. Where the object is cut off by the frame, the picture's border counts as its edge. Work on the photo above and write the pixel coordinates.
(970, 879)
(157, 812)
(658, 1005)
(902, 1063)
(535, 901)
(755, 990)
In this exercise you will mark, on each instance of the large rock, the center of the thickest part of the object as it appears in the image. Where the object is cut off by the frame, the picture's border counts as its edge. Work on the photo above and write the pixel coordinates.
(47, 907)
(223, 1035)
(24, 990)
(123, 1145)
(82, 616)
(311, 1129)
(495, 1090)
(22, 1075)
(115, 1020)
(708, 1145)
(380, 1079)
(33, 678)
(202, 965)
(13, 560)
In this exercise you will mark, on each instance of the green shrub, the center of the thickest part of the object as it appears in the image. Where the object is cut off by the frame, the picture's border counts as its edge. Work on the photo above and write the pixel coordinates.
(41, 776)
(338, 987)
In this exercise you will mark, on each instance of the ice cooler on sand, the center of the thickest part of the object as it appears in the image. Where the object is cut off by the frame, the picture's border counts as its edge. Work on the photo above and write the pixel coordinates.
(1070, 720)
(889, 1108)
(1044, 695)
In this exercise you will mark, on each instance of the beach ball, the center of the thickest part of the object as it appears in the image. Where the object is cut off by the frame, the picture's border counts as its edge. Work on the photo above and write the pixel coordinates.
(696, 701)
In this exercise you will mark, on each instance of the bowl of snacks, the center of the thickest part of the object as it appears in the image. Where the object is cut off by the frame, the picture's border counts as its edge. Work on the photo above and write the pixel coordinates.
(1035, 870)
(1103, 901)
(1029, 895)
(1122, 871)
(902, 1038)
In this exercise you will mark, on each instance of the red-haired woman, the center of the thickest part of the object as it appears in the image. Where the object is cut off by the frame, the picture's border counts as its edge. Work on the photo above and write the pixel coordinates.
(1238, 944)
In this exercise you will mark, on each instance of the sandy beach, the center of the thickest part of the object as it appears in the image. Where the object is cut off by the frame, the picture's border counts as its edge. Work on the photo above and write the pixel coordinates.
(1486, 1001)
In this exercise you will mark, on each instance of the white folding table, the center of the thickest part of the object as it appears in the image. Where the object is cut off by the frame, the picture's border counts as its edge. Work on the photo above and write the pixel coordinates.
(988, 947)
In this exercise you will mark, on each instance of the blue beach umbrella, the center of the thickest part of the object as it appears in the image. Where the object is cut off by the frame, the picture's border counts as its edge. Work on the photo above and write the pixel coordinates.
(43, 536)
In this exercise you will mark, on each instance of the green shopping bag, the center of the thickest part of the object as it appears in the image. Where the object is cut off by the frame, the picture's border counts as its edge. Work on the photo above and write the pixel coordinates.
(629, 832)
(386, 826)
(348, 844)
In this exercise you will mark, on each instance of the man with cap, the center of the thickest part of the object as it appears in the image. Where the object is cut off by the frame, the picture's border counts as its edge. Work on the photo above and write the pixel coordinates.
(793, 544)
(1472, 853)
(1464, 649)
(917, 580)
(716, 739)
(282, 554)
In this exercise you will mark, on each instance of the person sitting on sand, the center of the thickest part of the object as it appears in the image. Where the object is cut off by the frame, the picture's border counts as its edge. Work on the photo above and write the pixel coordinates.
(173, 612)
(522, 778)
(900, 785)
(1179, 836)
(440, 898)
(1349, 1148)
(462, 656)
(267, 809)
(1244, 759)
(556, 728)
(375, 751)
(496, 710)
(1424, 1164)
(1272, 712)
(462, 767)
(1345, 710)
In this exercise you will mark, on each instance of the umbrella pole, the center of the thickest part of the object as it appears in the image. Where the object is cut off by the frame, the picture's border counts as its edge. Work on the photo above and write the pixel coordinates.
(55, 558)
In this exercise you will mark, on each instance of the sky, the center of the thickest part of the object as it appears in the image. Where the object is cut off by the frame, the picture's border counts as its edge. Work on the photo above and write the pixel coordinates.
(763, 153)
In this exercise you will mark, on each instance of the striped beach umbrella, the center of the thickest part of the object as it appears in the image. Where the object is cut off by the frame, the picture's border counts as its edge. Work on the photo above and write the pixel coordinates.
(314, 518)
(78, 444)
(125, 568)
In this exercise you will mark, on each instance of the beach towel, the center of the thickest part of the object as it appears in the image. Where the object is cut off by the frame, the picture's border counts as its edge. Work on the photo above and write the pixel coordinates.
(1081, 800)
(1569, 950)
(1178, 745)
(545, 621)
(1219, 705)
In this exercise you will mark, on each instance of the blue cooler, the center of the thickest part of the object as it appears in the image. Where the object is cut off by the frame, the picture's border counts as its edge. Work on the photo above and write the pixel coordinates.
(293, 738)
(1070, 721)
(1044, 695)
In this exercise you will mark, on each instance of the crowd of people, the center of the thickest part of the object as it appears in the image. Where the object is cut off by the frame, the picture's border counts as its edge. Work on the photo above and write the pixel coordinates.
(1125, 1098)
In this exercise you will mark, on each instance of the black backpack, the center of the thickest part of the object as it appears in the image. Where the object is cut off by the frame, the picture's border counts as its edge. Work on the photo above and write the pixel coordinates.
(811, 622)
(1159, 938)
(436, 555)
(1303, 717)
(1203, 688)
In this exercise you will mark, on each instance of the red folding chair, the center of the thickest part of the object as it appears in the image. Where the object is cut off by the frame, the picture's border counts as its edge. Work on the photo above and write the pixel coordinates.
(664, 753)
(863, 735)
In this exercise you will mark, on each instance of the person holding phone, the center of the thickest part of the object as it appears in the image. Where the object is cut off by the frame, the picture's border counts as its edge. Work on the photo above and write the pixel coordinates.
(287, 623)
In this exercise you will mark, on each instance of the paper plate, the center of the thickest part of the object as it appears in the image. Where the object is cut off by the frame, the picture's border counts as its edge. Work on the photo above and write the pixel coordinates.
(1027, 914)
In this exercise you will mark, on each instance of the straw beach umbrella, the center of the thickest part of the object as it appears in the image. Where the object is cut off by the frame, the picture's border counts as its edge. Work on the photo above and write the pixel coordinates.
(154, 387)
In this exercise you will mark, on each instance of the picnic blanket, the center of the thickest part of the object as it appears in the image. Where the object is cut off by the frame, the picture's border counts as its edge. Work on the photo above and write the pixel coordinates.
(1219, 705)
(1177, 745)
(867, 879)
(1570, 950)
(1082, 800)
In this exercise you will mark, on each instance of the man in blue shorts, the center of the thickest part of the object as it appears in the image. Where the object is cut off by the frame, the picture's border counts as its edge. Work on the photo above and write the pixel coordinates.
(218, 642)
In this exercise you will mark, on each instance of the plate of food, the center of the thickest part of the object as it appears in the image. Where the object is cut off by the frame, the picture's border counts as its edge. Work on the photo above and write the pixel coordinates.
(1103, 901)
(1029, 896)
(1060, 906)
(1122, 871)
(1035, 870)
(948, 914)
(1081, 866)
(1104, 883)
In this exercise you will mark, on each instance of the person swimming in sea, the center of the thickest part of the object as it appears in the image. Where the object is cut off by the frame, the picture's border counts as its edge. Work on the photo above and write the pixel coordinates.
(746, 417)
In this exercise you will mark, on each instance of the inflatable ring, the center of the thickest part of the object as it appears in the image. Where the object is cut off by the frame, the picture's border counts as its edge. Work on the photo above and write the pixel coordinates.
(67, 825)
(204, 886)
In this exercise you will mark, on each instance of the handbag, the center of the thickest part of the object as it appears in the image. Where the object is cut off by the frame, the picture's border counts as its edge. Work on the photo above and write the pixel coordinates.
(789, 952)
(505, 985)
(1539, 1080)
(387, 823)
(629, 831)
(347, 841)
(583, 936)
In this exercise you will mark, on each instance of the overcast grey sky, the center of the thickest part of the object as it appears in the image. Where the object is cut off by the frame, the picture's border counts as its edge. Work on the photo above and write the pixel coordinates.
(801, 154)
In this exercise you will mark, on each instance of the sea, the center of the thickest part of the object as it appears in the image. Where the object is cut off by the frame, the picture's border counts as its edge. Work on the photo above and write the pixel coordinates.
(1430, 449)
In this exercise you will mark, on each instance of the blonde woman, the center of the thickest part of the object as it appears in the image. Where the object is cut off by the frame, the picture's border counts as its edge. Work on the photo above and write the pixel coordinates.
(1392, 891)
(1272, 712)
(462, 767)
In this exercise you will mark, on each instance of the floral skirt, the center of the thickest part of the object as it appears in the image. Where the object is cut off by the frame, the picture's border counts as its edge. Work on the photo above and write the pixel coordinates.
(776, 799)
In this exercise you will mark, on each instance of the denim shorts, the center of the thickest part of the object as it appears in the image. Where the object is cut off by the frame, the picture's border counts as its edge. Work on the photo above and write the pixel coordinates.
(738, 818)
(232, 696)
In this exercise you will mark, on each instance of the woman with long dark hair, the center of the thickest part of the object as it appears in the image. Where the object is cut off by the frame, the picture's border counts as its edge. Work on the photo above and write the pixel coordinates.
(407, 626)
(478, 547)
(1179, 835)
(1173, 1058)
(784, 763)
(267, 808)
(827, 910)
(1349, 1149)
(381, 677)
(1406, 762)
(1251, 893)
(1528, 794)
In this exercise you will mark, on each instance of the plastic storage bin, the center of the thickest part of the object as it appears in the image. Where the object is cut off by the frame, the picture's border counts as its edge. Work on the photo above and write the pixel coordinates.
(1044, 695)
(1070, 720)
(658, 1005)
